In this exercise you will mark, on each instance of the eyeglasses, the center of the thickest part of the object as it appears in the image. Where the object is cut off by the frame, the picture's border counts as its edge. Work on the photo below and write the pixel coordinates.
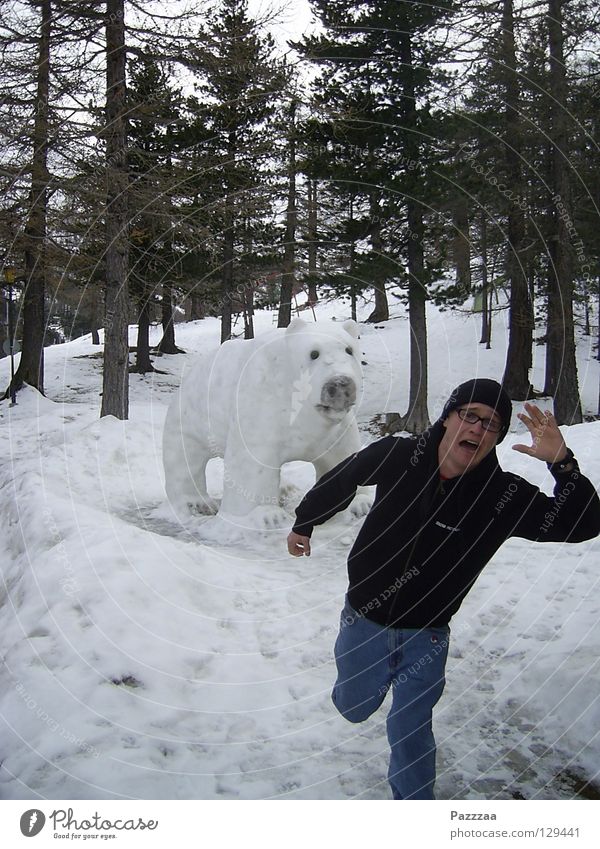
(492, 425)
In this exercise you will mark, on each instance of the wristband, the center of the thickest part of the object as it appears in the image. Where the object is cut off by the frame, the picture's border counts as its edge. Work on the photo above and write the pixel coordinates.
(562, 465)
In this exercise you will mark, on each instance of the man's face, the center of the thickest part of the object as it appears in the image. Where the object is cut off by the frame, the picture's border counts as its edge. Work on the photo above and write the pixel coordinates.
(464, 445)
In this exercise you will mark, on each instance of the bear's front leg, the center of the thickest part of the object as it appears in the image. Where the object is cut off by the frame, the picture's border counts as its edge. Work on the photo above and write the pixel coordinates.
(250, 479)
(346, 444)
(185, 458)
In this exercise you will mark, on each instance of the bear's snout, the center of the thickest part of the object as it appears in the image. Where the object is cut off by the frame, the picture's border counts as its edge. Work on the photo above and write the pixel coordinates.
(339, 393)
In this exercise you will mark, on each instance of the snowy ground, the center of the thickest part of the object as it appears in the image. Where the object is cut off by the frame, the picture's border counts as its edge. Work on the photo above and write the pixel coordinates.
(144, 660)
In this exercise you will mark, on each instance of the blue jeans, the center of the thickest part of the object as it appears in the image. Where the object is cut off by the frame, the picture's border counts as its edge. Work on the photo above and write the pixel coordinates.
(372, 659)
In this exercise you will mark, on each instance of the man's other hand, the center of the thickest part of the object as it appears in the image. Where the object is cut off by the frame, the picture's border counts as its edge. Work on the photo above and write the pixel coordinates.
(298, 545)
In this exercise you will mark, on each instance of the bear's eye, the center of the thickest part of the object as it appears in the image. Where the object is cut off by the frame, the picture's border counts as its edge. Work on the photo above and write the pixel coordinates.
(314, 355)
(349, 350)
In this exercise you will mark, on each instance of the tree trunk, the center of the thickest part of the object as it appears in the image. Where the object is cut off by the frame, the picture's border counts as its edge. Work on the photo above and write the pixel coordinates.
(417, 418)
(461, 244)
(31, 364)
(115, 382)
(289, 256)
(552, 295)
(95, 322)
(143, 363)
(227, 277)
(381, 311)
(3, 319)
(598, 313)
(313, 295)
(598, 349)
(485, 311)
(248, 296)
(561, 335)
(229, 244)
(353, 298)
(167, 343)
(196, 306)
(587, 330)
(516, 370)
(488, 343)
(4, 335)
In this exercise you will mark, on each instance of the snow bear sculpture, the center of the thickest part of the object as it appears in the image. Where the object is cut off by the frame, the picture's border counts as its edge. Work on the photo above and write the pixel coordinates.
(258, 403)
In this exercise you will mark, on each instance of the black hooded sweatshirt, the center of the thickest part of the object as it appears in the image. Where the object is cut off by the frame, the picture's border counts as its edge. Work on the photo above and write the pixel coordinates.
(425, 540)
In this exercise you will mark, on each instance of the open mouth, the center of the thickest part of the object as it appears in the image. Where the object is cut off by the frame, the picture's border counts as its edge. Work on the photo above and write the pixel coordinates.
(469, 445)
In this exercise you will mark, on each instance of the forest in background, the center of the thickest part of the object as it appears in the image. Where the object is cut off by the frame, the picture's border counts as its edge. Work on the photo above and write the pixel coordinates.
(180, 161)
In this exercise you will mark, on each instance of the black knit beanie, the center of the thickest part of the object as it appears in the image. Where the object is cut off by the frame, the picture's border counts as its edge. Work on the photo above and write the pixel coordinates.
(481, 390)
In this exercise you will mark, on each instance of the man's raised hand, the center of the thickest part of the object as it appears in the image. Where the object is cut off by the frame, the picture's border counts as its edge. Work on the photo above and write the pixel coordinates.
(547, 441)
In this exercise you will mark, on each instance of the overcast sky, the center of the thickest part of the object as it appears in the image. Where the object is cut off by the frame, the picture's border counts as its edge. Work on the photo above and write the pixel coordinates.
(293, 19)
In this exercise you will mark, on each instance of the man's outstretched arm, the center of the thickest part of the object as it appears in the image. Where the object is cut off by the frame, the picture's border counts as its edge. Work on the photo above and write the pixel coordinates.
(335, 490)
(573, 514)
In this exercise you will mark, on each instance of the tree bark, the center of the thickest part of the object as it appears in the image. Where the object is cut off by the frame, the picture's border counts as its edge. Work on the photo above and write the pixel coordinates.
(229, 244)
(417, 418)
(167, 343)
(552, 295)
(143, 363)
(313, 295)
(561, 331)
(115, 382)
(516, 370)
(196, 306)
(289, 256)
(31, 364)
(248, 296)
(485, 310)
(353, 297)
(381, 311)
(95, 317)
(227, 277)
(461, 245)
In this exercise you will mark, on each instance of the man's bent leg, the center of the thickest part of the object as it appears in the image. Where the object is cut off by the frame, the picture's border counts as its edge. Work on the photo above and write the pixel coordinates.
(417, 685)
(364, 672)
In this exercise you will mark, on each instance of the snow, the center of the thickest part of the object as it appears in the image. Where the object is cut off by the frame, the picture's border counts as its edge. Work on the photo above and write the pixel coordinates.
(146, 659)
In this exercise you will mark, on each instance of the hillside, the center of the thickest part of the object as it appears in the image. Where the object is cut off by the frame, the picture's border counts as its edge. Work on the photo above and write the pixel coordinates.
(149, 660)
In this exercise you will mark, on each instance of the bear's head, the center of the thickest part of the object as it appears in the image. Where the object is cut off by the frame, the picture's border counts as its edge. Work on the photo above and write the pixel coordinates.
(325, 359)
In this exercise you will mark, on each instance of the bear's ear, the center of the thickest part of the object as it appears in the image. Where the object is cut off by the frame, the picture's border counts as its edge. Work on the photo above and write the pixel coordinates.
(351, 327)
(296, 325)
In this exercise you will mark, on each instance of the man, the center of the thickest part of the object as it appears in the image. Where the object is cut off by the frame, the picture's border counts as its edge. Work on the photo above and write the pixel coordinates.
(443, 507)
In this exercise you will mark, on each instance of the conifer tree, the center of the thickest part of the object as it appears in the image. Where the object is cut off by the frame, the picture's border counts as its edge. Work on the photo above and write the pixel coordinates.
(380, 63)
(239, 79)
(31, 365)
(151, 110)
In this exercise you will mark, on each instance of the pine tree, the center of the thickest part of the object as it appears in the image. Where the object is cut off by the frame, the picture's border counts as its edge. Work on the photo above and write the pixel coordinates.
(380, 63)
(31, 365)
(239, 80)
(152, 108)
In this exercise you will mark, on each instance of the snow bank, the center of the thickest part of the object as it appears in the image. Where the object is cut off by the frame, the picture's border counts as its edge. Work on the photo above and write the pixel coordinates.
(144, 658)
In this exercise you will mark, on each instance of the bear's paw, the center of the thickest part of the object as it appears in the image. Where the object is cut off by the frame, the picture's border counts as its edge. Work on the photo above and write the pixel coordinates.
(361, 505)
(205, 506)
